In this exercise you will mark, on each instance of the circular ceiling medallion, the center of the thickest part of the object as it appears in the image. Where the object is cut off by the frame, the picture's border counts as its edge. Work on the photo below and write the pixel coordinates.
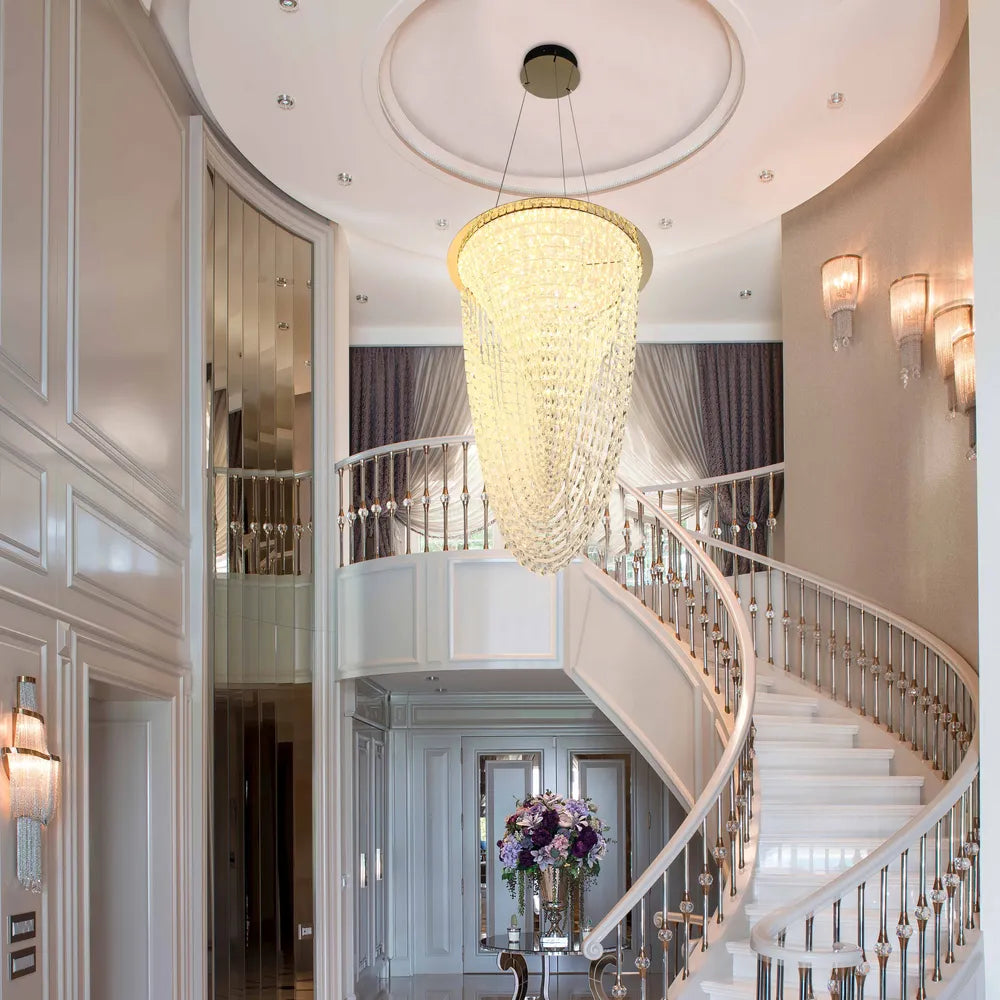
(650, 87)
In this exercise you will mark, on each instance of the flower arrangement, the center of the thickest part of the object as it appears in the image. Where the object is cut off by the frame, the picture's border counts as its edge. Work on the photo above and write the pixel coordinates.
(550, 831)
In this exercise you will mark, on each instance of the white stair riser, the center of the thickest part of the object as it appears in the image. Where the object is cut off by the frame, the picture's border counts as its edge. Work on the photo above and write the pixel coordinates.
(788, 706)
(834, 820)
(780, 729)
(778, 788)
(812, 759)
(783, 853)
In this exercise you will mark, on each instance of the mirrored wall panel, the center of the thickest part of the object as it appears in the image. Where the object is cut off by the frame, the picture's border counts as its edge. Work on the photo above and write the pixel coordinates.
(259, 316)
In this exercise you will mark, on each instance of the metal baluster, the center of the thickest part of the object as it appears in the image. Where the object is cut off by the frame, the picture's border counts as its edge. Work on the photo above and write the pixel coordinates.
(465, 495)
(904, 930)
(408, 498)
(863, 663)
(772, 523)
(922, 913)
(705, 880)
(426, 498)
(962, 866)
(752, 529)
(236, 525)
(733, 829)
(769, 617)
(936, 709)
(639, 557)
(341, 518)
(831, 646)
(687, 908)
(779, 983)
(297, 530)
(642, 959)
(391, 506)
(486, 519)
(883, 946)
(282, 525)
(734, 535)
(876, 669)
(848, 657)
(902, 685)
(719, 856)
(363, 511)
(376, 507)
(809, 947)
(862, 969)
(938, 897)
(268, 526)
(818, 639)
(664, 933)
(255, 527)
(925, 705)
(607, 537)
(786, 622)
(914, 693)
(703, 619)
(618, 990)
(890, 676)
(802, 629)
(445, 496)
(951, 883)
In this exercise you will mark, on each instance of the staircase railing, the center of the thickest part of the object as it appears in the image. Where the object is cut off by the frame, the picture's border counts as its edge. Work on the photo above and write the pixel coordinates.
(401, 498)
(919, 688)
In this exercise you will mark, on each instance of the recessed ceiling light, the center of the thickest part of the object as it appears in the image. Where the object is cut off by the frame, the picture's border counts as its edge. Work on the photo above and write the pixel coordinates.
(440, 690)
(433, 677)
(289, 5)
(746, 293)
(836, 100)
(766, 176)
(286, 102)
(666, 223)
(441, 223)
(361, 297)
(344, 179)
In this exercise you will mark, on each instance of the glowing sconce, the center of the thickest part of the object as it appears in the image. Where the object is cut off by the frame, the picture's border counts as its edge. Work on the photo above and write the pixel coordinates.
(908, 313)
(33, 774)
(841, 283)
(954, 344)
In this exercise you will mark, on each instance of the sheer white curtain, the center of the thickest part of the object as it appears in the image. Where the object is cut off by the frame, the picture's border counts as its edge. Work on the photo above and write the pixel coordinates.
(663, 435)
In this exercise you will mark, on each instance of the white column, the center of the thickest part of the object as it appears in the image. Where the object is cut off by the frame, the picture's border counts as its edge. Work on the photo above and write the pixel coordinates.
(984, 24)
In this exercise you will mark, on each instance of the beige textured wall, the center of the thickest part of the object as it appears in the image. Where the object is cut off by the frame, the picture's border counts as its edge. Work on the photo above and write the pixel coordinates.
(880, 496)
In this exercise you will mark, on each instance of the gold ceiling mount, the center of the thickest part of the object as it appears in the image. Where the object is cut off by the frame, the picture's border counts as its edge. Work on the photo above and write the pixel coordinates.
(550, 71)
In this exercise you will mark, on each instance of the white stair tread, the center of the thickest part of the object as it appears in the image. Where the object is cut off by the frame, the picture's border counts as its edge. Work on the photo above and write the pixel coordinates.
(810, 854)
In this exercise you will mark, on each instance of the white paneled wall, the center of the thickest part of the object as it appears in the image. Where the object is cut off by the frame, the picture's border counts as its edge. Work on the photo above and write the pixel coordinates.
(100, 493)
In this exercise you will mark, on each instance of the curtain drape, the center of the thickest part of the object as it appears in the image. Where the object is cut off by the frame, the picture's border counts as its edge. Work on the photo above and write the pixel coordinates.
(743, 420)
(381, 413)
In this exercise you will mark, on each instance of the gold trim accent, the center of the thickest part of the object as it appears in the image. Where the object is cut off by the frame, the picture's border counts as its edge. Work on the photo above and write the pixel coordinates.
(526, 204)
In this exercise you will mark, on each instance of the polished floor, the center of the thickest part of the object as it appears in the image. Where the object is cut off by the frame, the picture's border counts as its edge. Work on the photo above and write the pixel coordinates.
(474, 987)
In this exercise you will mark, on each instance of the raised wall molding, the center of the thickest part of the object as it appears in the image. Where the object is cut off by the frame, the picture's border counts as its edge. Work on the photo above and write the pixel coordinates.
(24, 193)
(111, 562)
(23, 509)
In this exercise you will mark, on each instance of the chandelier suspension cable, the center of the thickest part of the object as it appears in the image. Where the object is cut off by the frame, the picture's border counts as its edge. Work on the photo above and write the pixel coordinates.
(511, 150)
(579, 151)
(562, 156)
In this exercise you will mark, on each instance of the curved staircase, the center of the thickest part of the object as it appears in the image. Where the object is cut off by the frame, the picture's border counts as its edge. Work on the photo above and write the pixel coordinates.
(838, 834)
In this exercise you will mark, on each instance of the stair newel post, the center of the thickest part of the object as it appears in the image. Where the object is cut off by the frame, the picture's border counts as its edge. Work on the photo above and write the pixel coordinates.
(809, 947)
(445, 495)
(862, 969)
(642, 959)
(705, 880)
(818, 641)
(376, 508)
(391, 506)
(465, 494)
(863, 663)
(687, 908)
(904, 930)
(938, 896)
(719, 856)
(341, 517)
(408, 496)
(831, 646)
(848, 655)
(922, 912)
(883, 946)
(426, 499)
(890, 677)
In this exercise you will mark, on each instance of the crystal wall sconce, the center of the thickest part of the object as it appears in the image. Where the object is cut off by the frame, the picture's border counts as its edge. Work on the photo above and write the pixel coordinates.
(955, 347)
(33, 774)
(841, 283)
(908, 314)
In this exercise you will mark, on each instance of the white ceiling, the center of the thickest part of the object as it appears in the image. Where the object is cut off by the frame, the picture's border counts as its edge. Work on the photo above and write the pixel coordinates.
(417, 100)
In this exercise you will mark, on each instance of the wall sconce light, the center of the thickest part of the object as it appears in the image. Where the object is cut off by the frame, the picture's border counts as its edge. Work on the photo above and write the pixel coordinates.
(33, 774)
(841, 282)
(908, 313)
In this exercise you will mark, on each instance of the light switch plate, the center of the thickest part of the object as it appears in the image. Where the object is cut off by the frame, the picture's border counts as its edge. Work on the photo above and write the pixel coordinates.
(22, 963)
(21, 926)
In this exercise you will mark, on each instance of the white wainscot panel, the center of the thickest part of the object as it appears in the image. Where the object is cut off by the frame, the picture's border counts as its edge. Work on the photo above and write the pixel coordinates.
(498, 610)
(378, 619)
(128, 349)
(111, 563)
(23, 253)
(22, 509)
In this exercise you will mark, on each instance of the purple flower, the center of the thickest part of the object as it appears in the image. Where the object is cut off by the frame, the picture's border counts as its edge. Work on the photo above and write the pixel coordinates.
(525, 859)
(540, 837)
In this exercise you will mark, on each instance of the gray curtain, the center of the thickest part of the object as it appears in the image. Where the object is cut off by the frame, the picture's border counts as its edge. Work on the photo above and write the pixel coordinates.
(743, 420)
(381, 413)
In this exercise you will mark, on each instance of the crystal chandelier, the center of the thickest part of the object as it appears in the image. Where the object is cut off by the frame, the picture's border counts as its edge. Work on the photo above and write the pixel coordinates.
(550, 288)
